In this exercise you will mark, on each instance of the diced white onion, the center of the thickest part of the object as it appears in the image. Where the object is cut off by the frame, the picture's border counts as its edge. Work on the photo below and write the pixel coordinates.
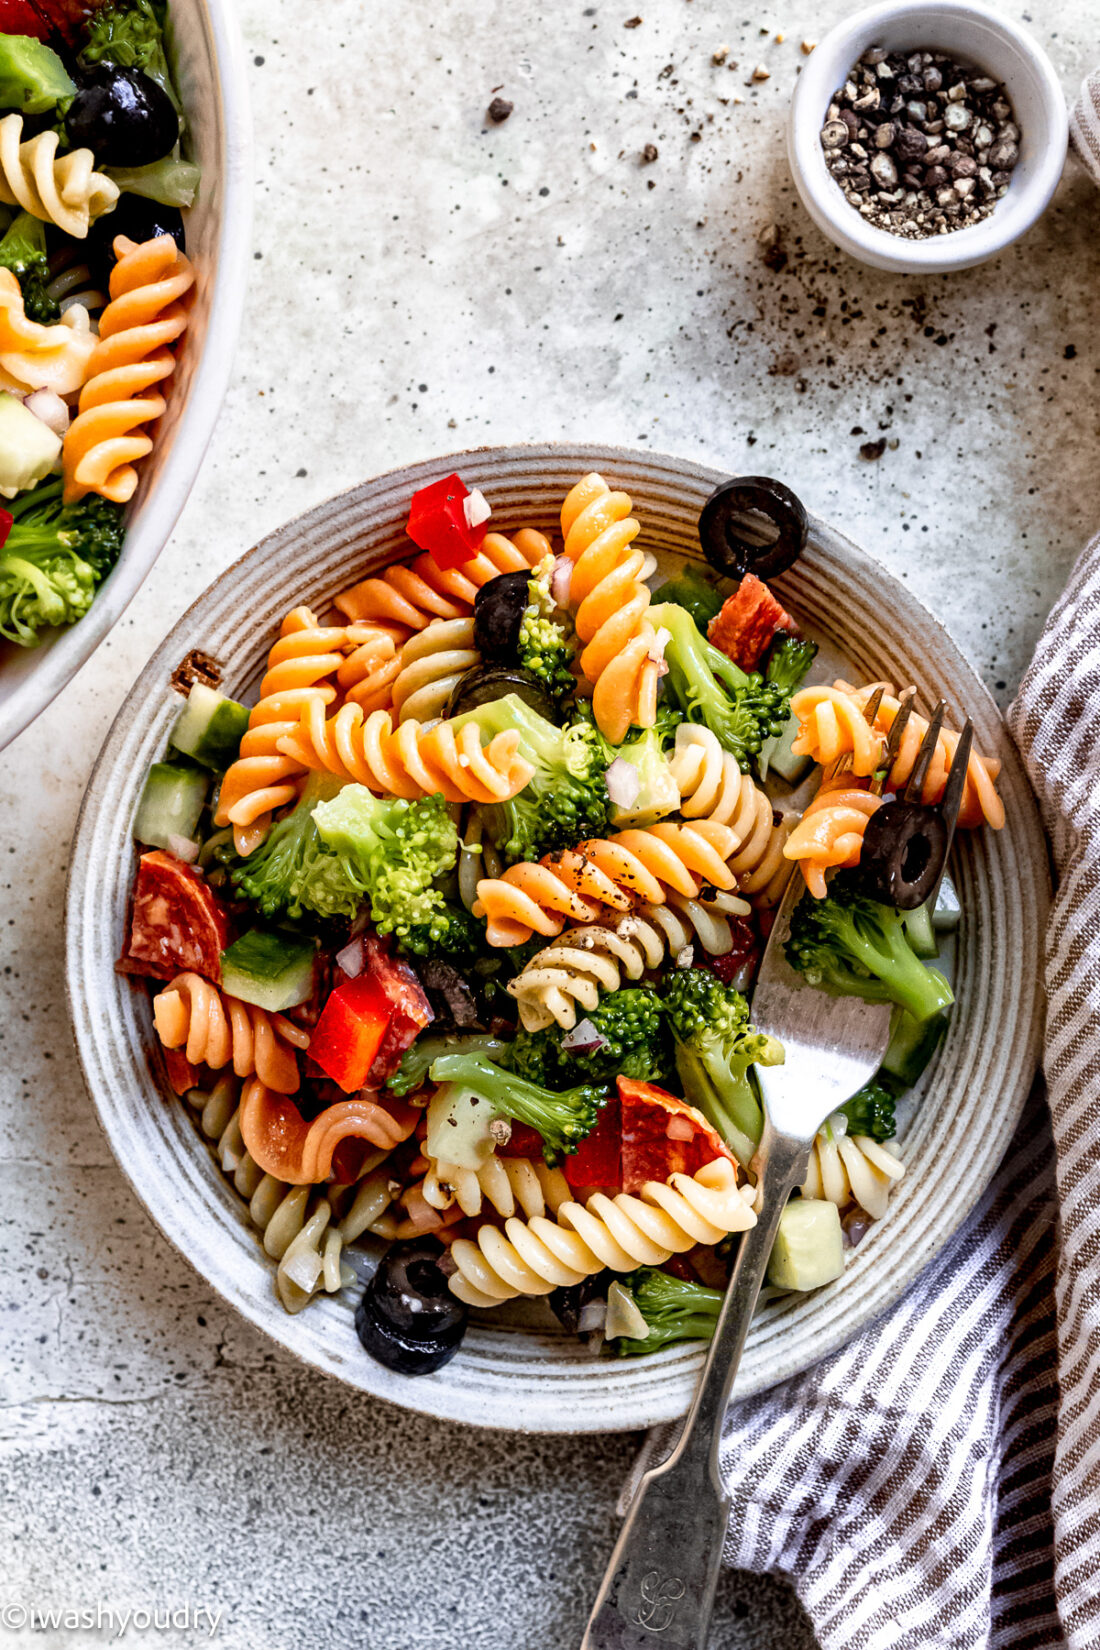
(560, 580)
(685, 956)
(583, 1035)
(49, 407)
(350, 959)
(623, 783)
(183, 848)
(475, 507)
(591, 1317)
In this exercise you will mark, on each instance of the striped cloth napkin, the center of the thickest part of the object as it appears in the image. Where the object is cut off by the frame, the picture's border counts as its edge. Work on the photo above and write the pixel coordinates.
(926, 1487)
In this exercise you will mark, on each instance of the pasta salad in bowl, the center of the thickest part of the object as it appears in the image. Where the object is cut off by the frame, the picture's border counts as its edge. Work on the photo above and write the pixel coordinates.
(441, 933)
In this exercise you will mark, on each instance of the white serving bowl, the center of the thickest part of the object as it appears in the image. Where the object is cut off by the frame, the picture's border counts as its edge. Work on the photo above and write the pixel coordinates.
(208, 57)
(976, 34)
(541, 1379)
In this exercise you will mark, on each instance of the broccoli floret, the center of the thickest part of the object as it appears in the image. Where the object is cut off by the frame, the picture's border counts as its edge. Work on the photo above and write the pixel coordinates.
(788, 662)
(871, 1111)
(563, 1118)
(565, 801)
(32, 76)
(715, 1046)
(695, 592)
(546, 647)
(53, 560)
(419, 1056)
(23, 251)
(674, 1309)
(452, 932)
(853, 947)
(392, 851)
(131, 34)
(631, 1022)
(741, 711)
(292, 871)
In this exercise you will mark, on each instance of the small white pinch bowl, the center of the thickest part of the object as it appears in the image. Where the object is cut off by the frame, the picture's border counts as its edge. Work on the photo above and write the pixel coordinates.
(976, 34)
(207, 55)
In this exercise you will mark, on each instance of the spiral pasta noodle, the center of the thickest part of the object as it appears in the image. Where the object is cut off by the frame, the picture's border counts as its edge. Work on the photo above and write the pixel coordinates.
(832, 724)
(263, 778)
(36, 357)
(300, 1151)
(303, 1228)
(712, 786)
(507, 1184)
(62, 189)
(215, 1030)
(367, 675)
(132, 357)
(573, 970)
(846, 1169)
(409, 760)
(535, 1256)
(830, 832)
(621, 657)
(628, 868)
(407, 599)
(431, 664)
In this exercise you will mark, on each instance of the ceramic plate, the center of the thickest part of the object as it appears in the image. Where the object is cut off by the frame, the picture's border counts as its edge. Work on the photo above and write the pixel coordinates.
(208, 58)
(539, 1379)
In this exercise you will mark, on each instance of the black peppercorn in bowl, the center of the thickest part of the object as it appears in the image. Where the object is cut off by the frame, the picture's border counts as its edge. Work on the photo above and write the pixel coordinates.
(926, 137)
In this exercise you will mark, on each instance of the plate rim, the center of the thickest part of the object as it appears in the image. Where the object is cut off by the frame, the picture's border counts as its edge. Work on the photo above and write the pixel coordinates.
(433, 1395)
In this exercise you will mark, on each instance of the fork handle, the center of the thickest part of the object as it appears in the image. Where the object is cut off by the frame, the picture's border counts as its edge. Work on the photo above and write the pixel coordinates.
(660, 1582)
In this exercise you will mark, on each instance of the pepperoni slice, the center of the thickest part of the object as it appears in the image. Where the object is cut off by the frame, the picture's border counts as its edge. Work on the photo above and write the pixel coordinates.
(748, 621)
(411, 1009)
(177, 924)
(597, 1161)
(182, 1075)
(663, 1136)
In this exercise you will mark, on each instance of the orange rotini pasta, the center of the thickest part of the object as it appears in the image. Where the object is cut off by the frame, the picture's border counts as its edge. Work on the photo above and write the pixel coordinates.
(214, 1030)
(36, 357)
(712, 786)
(299, 671)
(830, 832)
(409, 760)
(629, 868)
(300, 1152)
(132, 357)
(621, 657)
(407, 599)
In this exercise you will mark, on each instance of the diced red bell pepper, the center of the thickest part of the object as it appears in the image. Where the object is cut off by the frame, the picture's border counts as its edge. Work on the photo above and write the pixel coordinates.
(7, 520)
(411, 1010)
(438, 524)
(748, 620)
(523, 1141)
(350, 1030)
(662, 1135)
(21, 17)
(597, 1161)
(64, 17)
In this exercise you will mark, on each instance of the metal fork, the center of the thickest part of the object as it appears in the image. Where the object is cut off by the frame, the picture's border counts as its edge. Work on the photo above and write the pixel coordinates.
(660, 1582)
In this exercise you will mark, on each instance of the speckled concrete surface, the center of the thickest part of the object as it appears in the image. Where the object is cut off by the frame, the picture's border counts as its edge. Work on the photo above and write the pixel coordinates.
(424, 282)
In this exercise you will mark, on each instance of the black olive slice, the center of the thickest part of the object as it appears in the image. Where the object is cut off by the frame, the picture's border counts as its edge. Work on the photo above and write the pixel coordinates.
(499, 607)
(488, 682)
(407, 1318)
(904, 849)
(752, 524)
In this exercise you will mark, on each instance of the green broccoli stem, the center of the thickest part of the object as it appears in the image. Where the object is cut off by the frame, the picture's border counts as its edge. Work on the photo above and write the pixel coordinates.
(562, 1118)
(674, 1308)
(730, 1107)
(421, 1055)
(921, 991)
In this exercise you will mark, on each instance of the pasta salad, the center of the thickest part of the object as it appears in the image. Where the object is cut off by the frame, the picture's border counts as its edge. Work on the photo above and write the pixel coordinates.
(452, 933)
(95, 287)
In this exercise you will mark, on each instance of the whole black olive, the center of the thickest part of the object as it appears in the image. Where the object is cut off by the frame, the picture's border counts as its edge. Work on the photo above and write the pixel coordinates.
(122, 116)
(407, 1318)
(499, 607)
(485, 683)
(139, 220)
(903, 853)
(752, 524)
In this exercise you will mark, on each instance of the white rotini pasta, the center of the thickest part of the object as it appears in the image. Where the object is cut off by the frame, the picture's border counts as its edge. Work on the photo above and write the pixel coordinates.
(852, 1168)
(304, 1228)
(533, 1257)
(712, 786)
(431, 664)
(65, 190)
(505, 1183)
(573, 970)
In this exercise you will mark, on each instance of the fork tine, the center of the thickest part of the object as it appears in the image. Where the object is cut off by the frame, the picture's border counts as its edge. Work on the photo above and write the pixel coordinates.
(899, 724)
(873, 705)
(915, 786)
(956, 778)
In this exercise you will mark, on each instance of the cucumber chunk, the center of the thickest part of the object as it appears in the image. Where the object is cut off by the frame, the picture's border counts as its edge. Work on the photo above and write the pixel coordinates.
(808, 1251)
(29, 449)
(776, 754)
(210, 727)
(920, 933)
(948, 913)
(273, 971)
(912, 1044)
(170, 806)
